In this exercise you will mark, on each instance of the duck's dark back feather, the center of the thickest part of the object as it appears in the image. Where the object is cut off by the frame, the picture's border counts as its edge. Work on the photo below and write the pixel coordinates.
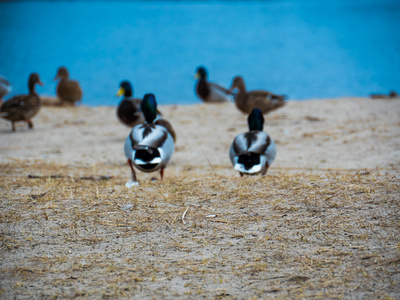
(129, 112)
(20, 108)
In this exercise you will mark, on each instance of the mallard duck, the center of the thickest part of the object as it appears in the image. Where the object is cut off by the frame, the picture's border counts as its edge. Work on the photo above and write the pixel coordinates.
(69, 91)
(149, 146)
(5, 88)
(254, 151)
(23, 107)
(391, 95)
(264, 100)
(129, 111)
(207, 91)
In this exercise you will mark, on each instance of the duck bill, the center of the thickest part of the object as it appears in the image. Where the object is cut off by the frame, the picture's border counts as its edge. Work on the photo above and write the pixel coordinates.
(40, 83)
(120, 92)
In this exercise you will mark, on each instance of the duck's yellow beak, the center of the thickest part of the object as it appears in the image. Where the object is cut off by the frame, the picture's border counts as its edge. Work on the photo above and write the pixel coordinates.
(197, 75)
(120, 92)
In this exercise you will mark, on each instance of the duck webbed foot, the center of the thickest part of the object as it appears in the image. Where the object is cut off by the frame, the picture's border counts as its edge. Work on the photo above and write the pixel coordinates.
(130, 184)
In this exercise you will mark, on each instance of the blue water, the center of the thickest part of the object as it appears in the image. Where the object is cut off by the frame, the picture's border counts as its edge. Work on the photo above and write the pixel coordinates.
(302, 48)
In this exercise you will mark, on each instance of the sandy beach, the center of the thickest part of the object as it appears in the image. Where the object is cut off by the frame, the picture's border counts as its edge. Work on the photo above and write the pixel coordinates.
(338, 134)
(323, 223)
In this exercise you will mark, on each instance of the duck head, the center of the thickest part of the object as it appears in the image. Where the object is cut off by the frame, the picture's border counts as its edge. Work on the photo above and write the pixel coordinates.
(149, 107)
(238, 83)
(33, 79)
(201, 73)
(62, 73)
(256, 120)
(125, 88)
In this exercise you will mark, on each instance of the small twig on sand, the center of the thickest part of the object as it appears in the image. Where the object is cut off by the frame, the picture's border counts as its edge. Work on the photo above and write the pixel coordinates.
(103, 177)
(219, 221)
(184, 214)
(212, 168)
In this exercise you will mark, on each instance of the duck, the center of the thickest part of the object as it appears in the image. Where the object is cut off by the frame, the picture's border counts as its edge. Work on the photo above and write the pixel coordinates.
(391, 95)
(69, 91)
(247, 100)
(207, 91)
(23, 107)
(254, 151)
(149, 146)
(5, 88)
(129, 111)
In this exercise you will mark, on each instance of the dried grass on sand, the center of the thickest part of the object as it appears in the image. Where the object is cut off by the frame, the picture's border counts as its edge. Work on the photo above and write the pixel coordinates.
(319, 225)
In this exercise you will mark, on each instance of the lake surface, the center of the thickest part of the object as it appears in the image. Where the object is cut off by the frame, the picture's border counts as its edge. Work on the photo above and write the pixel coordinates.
(302, 48)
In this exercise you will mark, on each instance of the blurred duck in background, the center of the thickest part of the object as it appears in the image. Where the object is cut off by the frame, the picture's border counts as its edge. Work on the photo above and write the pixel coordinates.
(23, 107)
(254, 151)
(391, 95)
(5, 88)
(247, 100)
(149, 146)
(129, 111)
(210, 92)
(68, 91)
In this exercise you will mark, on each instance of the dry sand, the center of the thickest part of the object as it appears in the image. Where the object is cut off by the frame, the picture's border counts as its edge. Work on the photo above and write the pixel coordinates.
(323, 223)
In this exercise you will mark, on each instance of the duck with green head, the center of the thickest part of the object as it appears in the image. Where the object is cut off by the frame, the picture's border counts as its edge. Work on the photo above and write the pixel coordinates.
(149, 146)
(254, 151)
(208, 91)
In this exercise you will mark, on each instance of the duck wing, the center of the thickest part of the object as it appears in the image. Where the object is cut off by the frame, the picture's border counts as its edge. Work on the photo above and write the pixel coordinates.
(220, 88)
(252, 141)
(264, 100)
(211, 92)
(148, 135)
(20, 107)
(168, 126)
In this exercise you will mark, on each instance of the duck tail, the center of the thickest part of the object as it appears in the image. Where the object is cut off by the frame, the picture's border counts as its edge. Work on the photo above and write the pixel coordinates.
(147, 156)
(248, 163)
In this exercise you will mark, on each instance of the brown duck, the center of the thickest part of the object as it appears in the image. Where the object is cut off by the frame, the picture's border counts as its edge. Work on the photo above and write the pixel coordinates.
(247, 100)
(23, 107)
(69, 91)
